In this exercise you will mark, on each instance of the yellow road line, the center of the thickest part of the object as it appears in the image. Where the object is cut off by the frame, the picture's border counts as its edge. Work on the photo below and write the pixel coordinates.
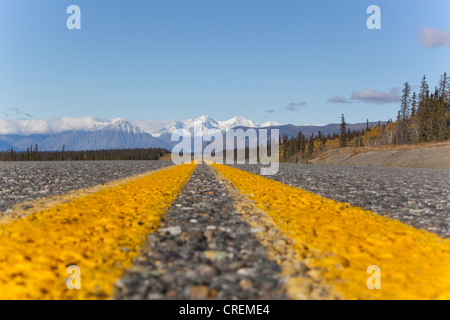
(342, 241)
(100, 233)
(26, 208)
(294, 264)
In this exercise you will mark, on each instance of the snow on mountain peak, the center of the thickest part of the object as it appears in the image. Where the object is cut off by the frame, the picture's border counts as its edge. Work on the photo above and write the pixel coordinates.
(205, 118)
(238, 121)
(207, 122)
(91, 124)
(123, 125)
(270, 124)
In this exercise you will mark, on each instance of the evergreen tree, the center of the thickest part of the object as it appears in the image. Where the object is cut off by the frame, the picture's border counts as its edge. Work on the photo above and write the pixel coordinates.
(405, 102)
(423, 89)
(444, 86)
(303, 145)
(413, 124)
(440, 118)
(311, 145)
(299, 144)
(343, 133)
(413, 105)
(424, 112)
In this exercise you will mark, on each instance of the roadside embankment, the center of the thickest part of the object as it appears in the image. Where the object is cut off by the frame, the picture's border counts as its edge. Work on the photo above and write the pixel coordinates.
(433, 156)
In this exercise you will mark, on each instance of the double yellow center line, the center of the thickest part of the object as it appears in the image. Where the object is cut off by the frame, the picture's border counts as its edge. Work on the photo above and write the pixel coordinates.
(100, 233)
(342, 242)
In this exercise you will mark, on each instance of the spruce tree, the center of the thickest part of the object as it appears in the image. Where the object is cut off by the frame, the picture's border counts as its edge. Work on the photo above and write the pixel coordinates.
(413, 124)
(424, 112)
(413, 105)
(405, 102)
(311, 145)
(423, 89)
(343, 133)
(444, 86)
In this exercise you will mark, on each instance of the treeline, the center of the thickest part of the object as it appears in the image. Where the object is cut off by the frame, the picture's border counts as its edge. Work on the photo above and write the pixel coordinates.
(423, 117)
(303, 147)
(33, 154)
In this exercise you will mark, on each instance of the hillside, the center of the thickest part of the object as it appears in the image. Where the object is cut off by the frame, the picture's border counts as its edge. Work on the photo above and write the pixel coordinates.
(434, 156)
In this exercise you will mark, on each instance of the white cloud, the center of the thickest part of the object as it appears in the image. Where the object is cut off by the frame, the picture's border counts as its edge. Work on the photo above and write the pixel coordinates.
(152, 126)
(23, 127)
(433, 38)
(295, 106)
(55, 125)
(15, 112)
(69, 124)
(374, 96)
(339, 100)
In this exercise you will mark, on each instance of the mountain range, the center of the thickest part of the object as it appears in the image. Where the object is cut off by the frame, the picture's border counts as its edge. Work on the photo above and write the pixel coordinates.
(94, 134)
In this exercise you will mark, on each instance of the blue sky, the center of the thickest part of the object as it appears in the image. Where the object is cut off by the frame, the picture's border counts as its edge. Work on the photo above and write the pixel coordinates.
(178, 59)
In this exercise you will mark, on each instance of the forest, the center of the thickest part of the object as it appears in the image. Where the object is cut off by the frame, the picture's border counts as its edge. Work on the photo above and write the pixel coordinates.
(423, 117)
(33, 154)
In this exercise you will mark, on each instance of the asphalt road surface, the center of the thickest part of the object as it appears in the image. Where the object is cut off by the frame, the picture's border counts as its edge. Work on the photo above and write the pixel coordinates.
(204, 249)
(418, 197)
(220, 239)
(25, 181)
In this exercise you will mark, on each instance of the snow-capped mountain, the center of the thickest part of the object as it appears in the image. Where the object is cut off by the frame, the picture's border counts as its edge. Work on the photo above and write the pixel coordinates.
(238, 122)
(122, 125)
(208, 124)
(88, 133)
(117, 134)
(270, 124)
(84, 133)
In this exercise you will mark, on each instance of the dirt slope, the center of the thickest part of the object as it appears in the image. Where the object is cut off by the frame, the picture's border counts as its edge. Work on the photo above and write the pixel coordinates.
(434, 156)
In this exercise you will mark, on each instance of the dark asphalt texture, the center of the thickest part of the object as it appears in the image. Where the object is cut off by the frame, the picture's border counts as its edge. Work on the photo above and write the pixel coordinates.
(203, 250)
(417, 197)
(24, 181)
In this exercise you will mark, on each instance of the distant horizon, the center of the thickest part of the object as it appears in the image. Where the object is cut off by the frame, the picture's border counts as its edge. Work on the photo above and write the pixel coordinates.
(87, 123)
(88, 133)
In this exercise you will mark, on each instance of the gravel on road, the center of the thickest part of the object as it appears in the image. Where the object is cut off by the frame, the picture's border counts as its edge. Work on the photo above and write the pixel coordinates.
(417, 197)
(206, 248)
(25, 181)
(203, 250)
